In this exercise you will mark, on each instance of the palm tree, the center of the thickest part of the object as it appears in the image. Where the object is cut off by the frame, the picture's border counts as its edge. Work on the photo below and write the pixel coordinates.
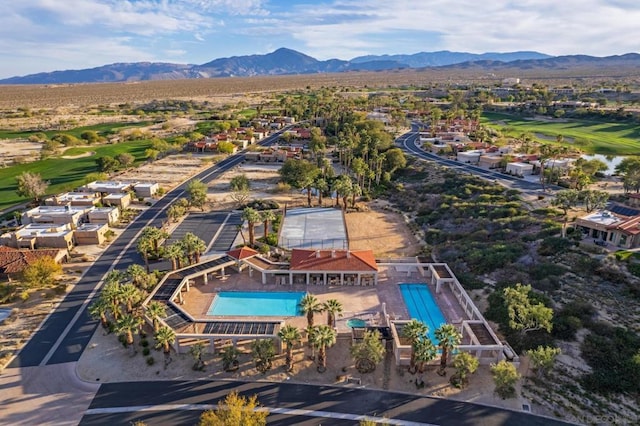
(155, 235)
(321, 186)
(448, 338)
(323, 337)
(129, 295)
(252, 217)
(196, 350)
(155, 311)
(111, 295)
(230, 358)
(267, 216)
(263, 353)
(309, 305)
(127, 326)
(98, 310)
(145, 248)
(369, 352)
(332, 307)
(289, 335)
(193, 247)
(425, 351)
(165, 336)
(174, 252)
(137, 274)
(412, 331)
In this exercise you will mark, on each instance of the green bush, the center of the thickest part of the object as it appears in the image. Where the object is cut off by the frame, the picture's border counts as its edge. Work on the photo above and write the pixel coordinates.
(565, 327)
(552, 246)
(611, 352)
(146, 351)
(150, 360)
(634, 268)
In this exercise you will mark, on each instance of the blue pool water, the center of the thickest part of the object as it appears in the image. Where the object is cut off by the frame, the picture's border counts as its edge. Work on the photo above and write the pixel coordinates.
(422, 306)
(256, 303)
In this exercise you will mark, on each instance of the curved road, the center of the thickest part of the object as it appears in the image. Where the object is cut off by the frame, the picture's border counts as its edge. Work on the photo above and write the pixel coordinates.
(409, 142)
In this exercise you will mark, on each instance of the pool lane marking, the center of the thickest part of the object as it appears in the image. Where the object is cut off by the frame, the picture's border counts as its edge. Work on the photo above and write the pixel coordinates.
(271, 410)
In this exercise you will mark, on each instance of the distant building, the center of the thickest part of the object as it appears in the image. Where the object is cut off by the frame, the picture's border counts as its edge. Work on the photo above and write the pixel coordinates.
(107, 187)
(57, 215)
(74, 198)
(34, 236)
(91, 233)
(146, 189)
(469, 157)
(121, 200)
(519, 169)
(108, 215)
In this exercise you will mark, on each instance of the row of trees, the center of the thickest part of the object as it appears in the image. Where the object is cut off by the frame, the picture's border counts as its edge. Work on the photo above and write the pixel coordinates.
(185, 251)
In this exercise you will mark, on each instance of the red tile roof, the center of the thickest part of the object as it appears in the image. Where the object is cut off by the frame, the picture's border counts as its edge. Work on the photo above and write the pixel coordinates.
(333, 260)
(630, 226)
(13, 260)
(242, 253)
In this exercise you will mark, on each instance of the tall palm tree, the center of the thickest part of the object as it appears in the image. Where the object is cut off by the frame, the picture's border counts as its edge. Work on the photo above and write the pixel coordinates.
(129, 295)
(193, 247)
(289, 335)
(98, 310)
(252, 217)
(145, 248)
(165, 336)
(174, 252)
(128, 325)
(412, 331)
(309, 305)
(155, 235)
(155, 311)
(137, 274)
(267, 216)
(111, 295)
(323, 337)
(425, 351)
(448, 339)
(332, 307)
(263, 353)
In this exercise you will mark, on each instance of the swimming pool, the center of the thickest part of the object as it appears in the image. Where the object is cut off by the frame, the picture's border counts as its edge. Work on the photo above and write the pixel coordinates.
(422, 306)
(256, 303)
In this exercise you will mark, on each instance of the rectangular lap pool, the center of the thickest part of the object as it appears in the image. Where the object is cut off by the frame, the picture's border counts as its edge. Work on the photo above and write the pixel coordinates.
(256, 303)
(422, 306)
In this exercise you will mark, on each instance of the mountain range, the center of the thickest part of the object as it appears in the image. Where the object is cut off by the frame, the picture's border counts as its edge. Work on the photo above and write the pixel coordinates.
(287, 62)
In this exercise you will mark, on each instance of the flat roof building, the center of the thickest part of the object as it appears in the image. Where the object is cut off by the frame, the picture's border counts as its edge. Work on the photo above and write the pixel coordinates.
(73, 198)
(56, 215)
(107, 186)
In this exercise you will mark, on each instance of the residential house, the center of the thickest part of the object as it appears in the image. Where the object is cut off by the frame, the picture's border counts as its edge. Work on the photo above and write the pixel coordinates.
(108, 187)
(489, 161)
(91, 233)
(34, 236)
(13, 261)
(57, 215)
(469, 157)
(121, 200)
(612, 227)
(519, 169)
(108, 215)
(74, 198)
(146, 189)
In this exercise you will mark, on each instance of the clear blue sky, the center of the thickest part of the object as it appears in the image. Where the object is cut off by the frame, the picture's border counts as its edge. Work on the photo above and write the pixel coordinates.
(47, 35)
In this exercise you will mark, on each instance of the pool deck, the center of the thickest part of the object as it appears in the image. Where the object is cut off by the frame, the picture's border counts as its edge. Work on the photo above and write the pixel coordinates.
(358, 302)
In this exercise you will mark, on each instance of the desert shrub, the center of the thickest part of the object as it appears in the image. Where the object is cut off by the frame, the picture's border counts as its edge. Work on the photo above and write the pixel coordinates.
(261, 205)
(469, 281)
(552, 246)
(612, 354)
(543, 270)
(150, 360)
(282, 187)
(7, 293)
(634, 268)
(146, 351)
(565, 327)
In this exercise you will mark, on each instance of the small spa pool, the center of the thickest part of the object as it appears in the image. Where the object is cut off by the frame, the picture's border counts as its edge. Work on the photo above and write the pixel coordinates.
(256, 303)
(356, 323)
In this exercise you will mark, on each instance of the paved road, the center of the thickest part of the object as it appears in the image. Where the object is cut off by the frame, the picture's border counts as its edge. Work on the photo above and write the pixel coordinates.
(183, 402)
(409, 142)
(66, 332)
